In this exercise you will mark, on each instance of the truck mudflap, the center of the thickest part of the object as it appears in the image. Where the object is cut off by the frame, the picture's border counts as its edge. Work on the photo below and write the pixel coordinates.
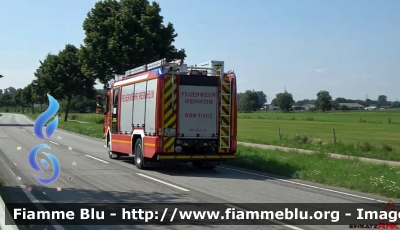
(177, 157)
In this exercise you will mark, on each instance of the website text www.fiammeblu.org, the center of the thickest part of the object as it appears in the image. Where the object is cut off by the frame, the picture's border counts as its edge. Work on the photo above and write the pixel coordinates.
(234, 214)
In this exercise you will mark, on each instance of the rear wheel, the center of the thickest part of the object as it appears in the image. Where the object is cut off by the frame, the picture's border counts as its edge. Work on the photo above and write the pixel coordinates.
(199, 165)
(139, 158)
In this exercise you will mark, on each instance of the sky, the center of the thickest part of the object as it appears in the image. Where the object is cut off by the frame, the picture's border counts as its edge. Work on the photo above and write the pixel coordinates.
(349, 48)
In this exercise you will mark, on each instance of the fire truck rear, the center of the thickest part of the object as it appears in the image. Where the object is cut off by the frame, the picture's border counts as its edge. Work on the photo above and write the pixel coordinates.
(168, 111)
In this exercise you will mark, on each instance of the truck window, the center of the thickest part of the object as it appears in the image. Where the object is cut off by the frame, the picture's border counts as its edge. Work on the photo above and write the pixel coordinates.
(115, 95)
(114, 116)
(107, 105)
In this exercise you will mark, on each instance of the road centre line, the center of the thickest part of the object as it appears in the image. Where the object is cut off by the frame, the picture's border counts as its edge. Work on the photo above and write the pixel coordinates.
(163, 182)
(304, 185)
(54, 142)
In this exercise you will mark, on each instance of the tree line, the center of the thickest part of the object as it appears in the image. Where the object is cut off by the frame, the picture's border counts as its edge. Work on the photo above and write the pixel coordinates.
(119, 35)
(254, 100)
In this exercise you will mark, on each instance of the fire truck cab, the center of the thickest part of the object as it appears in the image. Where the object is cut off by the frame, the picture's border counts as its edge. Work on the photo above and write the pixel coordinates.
(169, 111)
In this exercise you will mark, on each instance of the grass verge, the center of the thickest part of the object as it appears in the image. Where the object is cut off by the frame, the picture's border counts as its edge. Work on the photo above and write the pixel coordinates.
(93, 127)
(320, 168)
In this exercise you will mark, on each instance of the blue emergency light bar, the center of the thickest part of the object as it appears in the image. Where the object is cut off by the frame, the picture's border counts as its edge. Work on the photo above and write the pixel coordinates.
(148, 67)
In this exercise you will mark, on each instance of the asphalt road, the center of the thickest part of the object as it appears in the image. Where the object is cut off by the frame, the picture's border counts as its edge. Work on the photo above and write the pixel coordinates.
(98, 179)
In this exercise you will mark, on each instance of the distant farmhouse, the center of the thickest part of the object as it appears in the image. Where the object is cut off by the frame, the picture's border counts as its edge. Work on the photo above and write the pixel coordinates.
(308, 106)
(353, 106)
(375, 107)
(303, 107)
(269, 107)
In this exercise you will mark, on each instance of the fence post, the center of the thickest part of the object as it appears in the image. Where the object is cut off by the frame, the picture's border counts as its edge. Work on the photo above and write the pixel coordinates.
(279, 133)
(334, 136)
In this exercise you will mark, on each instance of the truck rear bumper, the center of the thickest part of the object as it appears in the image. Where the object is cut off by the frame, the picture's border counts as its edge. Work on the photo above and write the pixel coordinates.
(195, 157)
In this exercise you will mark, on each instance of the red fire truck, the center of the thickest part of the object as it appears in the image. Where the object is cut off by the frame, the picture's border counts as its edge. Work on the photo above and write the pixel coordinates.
(169, 111)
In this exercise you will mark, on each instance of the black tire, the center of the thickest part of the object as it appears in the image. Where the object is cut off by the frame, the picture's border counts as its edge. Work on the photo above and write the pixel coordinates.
(139, 158)
(112, 155)
(199, 165)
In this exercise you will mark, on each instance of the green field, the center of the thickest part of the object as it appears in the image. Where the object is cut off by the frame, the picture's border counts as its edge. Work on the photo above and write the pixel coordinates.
(374, 134)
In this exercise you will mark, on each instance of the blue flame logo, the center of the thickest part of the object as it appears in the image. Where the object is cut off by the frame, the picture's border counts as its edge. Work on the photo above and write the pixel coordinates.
(45, 116)
(38, 131)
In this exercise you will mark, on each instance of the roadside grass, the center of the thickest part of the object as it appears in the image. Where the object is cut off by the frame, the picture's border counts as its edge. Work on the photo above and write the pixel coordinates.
(320, 168)
(93, 127)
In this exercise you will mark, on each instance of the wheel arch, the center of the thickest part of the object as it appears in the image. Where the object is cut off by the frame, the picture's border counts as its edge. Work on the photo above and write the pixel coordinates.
(136, 134)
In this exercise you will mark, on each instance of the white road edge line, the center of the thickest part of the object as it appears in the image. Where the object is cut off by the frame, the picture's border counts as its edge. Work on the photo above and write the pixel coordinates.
(163, 182)
(97, 159)
(33, 199)
(305, 185)
(54, 142)
(274, 221)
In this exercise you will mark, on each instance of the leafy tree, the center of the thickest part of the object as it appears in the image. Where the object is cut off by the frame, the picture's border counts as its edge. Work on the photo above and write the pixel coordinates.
(249, 101)
(396, 104)
(11, 90)
(343, 107)
(63, 78)
(274, 102)
(16, 98)
(79, 104)
(27, 97)
(239, 95)
(5, 100)
(121, 35)
(262, 98)
(382, 100)
(335, 105)
(39, 93)
(324, 101)
(284, 101)
(342, 100)
(47, 76)
(369, 102)
(304, 102)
